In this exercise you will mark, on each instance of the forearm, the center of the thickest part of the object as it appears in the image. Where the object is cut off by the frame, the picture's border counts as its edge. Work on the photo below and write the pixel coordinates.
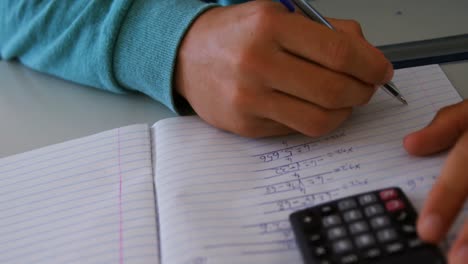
(111, 45)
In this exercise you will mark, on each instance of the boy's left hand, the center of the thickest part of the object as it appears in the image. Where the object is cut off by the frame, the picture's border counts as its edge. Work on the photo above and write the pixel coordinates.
(448, 195)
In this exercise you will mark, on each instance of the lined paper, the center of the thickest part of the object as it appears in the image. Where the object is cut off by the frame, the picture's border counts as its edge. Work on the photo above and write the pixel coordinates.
(89, 200)
(226, 199)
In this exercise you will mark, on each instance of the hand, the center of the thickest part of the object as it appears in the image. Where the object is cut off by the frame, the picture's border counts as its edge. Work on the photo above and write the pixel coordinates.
(257, 70)
(449, 128)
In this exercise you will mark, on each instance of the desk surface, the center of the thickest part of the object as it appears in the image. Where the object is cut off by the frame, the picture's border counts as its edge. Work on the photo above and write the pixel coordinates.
(400, 21)
(38, 110)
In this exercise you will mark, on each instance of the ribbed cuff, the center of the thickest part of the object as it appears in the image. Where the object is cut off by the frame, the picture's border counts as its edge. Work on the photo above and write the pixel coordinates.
(146, 49)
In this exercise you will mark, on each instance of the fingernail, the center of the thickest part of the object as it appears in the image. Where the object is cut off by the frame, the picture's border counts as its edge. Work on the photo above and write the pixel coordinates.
(461, 255)
(430, 227)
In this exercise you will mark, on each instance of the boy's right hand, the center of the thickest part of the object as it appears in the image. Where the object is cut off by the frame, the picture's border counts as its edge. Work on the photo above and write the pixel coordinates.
(257, 70)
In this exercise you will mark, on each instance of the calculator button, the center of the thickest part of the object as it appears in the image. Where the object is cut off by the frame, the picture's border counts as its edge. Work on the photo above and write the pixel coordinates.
(394, 205)
(388, 194)
(394, 247)
(347, 204)
(364, 240)
(358, 227)
(402, 216)
(386, 235)
(314, 238)
(342, 246)
(372, 253)
(379, 222)
(307, 219)
(415, 242)
(320, 251)
(352, 215)
(331, 220)
(336, 232)
(349, 259)
(326, 209)
(408, 229)
(374, 209)
(367, 199)
(310, 223)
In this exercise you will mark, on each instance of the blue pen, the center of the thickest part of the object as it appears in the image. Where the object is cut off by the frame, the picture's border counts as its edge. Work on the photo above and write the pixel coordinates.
(313, 14)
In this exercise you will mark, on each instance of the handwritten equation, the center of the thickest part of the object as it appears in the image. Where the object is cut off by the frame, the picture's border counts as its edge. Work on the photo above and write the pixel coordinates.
(295, 150)
(307, 163)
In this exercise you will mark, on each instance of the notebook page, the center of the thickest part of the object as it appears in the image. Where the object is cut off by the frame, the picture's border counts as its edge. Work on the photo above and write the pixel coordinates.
(89, 200)
(226, 199)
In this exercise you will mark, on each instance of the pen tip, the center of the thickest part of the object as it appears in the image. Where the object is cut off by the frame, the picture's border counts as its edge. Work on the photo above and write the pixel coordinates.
(403, 100)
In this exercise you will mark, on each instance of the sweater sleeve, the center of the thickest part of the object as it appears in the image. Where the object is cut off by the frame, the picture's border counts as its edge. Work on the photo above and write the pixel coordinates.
(115, 45)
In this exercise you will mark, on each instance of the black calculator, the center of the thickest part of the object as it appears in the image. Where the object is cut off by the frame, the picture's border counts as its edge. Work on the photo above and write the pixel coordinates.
(373, 227)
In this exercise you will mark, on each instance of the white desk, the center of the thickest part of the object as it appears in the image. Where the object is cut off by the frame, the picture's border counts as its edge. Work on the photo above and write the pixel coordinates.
(37, 110)
(398, 21)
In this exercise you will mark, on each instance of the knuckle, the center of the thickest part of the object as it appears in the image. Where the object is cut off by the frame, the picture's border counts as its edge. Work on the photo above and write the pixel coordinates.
(239, 99)
(251, 64)
(355, 27)
(462, 151)
(454, 188)
(264, 19)
(339, 53)
(445, 111)
(244, 62)
(457, 112)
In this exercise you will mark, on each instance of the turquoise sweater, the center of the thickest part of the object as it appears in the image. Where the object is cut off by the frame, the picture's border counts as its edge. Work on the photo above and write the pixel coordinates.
(115, 45)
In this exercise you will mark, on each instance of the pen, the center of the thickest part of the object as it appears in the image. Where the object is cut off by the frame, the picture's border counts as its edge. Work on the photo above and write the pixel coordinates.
(313, 14)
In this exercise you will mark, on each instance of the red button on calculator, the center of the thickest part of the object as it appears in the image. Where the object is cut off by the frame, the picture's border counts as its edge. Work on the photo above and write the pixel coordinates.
(388, 194)
(394, 205)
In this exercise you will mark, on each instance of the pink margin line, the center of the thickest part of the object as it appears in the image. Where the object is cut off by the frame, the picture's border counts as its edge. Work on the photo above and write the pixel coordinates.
(121, 255)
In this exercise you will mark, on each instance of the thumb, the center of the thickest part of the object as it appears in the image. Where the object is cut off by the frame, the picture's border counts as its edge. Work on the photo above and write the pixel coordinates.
(442, 133)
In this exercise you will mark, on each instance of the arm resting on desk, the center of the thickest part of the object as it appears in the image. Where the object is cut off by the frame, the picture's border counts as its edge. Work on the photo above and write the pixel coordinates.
(111, 45)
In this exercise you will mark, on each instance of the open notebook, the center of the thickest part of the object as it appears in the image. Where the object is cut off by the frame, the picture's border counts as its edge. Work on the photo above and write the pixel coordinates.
(185, 192)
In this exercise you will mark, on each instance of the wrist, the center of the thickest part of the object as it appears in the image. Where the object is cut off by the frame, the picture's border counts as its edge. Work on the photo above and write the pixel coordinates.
(193, 45)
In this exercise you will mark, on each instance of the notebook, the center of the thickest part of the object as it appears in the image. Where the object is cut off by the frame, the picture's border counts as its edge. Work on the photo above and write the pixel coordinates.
(184, 192)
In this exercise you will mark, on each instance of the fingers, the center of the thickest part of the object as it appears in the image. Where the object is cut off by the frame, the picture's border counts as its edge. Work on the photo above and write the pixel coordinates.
(334, 50)
(448, 194)
(255, 127)
(316, 84)
(441, 133)
(301, 116)
(459, 252)
(451, 189)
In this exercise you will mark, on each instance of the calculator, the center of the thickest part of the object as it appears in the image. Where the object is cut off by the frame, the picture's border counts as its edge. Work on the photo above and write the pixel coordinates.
(373, 227)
